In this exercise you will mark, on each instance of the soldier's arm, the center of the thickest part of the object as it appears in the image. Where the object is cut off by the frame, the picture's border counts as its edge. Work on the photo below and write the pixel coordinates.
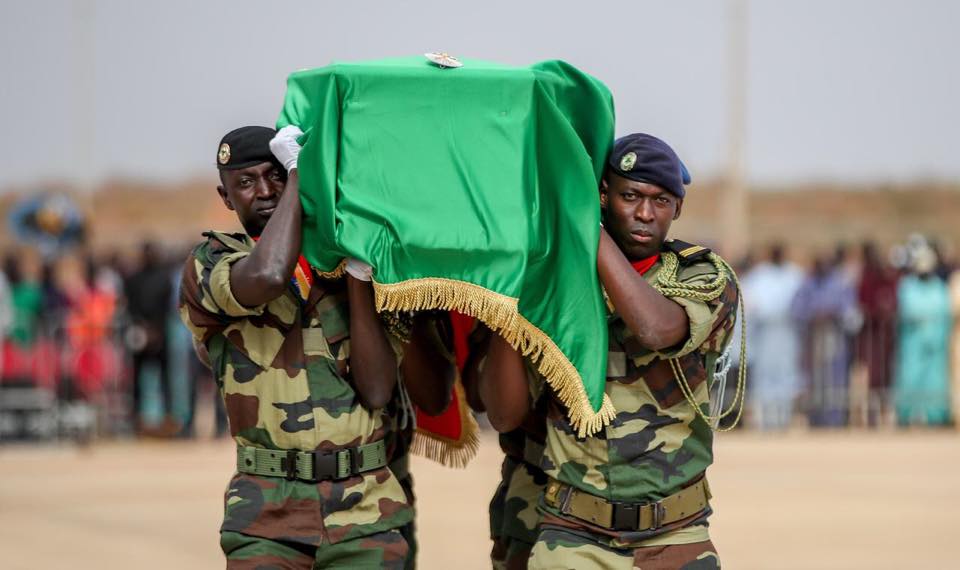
(656, 321)
(503, 386)
(479, 345)
(263, 275)
(427, 371)
(372, 359)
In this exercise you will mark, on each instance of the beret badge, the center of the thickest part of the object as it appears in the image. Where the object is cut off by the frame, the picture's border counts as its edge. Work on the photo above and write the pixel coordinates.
(627, 161)
(223, 155)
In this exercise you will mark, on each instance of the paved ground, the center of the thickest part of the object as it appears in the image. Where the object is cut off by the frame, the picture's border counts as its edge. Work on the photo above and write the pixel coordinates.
(804, 500)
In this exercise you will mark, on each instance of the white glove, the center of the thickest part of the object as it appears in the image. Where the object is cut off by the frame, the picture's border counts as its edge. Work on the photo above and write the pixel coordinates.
(285, 147)
(359, 270)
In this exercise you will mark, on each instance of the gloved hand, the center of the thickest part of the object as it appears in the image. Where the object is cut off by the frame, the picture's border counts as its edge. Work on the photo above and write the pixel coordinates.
(359, 270)
(285, 147)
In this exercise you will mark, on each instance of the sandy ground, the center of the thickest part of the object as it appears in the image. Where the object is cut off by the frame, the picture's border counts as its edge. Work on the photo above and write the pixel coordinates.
(803, 500)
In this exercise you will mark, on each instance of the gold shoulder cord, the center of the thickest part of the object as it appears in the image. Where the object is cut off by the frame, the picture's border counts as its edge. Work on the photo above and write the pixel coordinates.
(669, 285)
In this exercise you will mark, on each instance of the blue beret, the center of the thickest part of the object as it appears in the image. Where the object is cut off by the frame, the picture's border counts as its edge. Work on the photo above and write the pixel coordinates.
(645, 158)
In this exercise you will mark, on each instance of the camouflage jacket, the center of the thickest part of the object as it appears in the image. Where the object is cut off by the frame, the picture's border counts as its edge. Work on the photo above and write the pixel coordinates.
(283, 372)
(656, 444)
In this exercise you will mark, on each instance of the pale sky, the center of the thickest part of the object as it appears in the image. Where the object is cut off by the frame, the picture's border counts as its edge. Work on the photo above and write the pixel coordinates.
(862, 91)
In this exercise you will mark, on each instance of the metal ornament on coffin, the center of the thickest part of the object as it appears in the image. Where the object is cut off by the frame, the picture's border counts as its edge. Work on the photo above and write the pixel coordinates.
(443, 59)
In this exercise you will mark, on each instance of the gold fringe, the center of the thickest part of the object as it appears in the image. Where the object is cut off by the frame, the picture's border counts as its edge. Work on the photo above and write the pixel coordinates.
(447, 451)
(336, 273)
(499, 312)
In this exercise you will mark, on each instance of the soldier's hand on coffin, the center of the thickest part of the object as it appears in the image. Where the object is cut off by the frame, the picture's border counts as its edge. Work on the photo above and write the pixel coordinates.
(285, 147)
(359, 270)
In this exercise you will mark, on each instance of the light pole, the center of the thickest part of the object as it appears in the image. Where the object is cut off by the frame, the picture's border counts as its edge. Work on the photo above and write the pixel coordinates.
(734, 222)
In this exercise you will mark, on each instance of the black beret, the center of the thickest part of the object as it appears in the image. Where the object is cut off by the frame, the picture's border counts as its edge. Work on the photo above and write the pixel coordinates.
(646, 158)
(245, 147)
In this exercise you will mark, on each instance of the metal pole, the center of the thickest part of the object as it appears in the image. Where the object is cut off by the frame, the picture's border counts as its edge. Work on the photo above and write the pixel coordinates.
(83, 93)
(734, 223)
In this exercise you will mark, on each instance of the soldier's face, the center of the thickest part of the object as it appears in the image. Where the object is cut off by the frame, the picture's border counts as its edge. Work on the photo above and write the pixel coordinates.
(253, 193)
(637, 215)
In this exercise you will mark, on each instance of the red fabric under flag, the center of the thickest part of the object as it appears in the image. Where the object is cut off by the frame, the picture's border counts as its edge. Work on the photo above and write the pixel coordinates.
(451, 437)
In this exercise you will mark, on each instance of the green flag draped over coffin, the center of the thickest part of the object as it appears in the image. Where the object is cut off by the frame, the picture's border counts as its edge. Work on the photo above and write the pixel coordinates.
(471, 189)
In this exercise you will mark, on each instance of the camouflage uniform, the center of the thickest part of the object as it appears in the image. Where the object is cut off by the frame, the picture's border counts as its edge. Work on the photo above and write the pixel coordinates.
(283, 372)
(656, 445)
(514, 518)
(400, 466)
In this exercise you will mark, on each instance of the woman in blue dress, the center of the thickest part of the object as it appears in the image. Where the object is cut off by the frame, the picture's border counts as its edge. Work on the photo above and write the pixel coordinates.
(921, 387)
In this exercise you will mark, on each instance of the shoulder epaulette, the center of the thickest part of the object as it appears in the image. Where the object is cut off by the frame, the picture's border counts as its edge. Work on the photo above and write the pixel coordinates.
(686, 252)
(234, 241)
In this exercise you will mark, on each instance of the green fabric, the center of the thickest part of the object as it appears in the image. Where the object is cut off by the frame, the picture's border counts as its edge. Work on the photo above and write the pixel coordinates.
(27, 302)
(486, 174)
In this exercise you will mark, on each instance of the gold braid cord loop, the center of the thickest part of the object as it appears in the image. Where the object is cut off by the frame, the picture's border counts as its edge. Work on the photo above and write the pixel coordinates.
(669, 285)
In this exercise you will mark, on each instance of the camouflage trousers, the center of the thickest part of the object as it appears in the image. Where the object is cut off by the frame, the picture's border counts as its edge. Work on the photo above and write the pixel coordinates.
(563, 548)
(409, 530)
(513, 514)
(382, 550)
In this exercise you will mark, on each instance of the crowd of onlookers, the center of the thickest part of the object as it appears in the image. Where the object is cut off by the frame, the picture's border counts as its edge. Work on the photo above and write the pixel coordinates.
(83, 328)
(866, 337)
(857, 337)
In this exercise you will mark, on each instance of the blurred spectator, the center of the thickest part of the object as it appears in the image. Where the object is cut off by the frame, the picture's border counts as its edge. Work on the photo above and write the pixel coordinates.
(92, 306)
(943, 269)
(6, 305)
(110, 275)
(89, 325)
(184, 359)
(768, 291)
(846, 267)
(824, 305)
(6, 316)
(26, 298)
(955, 348)
(55, 300)
(921, 389)
(877, 294)
(148, 293)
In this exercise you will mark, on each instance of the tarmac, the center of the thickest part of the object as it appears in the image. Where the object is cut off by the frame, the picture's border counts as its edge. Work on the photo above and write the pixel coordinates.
(801, 500)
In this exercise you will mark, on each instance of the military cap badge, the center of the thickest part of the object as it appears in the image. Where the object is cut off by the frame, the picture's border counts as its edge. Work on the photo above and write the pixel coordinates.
(627, 161)
(223, 155)
(443, 59)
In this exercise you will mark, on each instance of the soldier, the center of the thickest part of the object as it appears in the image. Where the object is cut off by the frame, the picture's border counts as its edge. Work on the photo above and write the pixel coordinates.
(634, 494)
(305, 369)
(432, 400)
(514, 519)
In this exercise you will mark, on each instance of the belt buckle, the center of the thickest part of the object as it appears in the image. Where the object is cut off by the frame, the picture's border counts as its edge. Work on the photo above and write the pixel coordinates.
(626, 516)
(659, 514)
(324, 466)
